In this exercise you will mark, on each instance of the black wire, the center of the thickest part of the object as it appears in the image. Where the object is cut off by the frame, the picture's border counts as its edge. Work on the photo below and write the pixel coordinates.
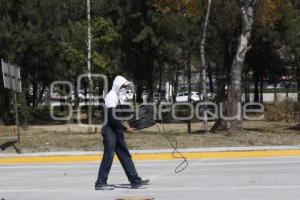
(146, 120)
(184, 164)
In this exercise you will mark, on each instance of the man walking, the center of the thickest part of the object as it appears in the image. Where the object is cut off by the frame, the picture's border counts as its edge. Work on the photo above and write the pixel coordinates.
(114, 141)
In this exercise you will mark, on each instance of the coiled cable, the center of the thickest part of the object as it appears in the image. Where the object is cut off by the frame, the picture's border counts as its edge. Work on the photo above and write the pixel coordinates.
(184, 164)
(145, 119)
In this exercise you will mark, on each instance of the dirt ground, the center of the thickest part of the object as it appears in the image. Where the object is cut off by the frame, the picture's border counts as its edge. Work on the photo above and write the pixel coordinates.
(58, 138)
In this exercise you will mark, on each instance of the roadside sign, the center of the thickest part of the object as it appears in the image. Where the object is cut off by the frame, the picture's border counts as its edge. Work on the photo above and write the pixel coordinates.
(12, 80)
(5, 74)
(11, 76)
(18, 79)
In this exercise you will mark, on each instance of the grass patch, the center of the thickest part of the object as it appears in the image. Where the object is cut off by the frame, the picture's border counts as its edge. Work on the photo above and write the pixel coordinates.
(57, 138)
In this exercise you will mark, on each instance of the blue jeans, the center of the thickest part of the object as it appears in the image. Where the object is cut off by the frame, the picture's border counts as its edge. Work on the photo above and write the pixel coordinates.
(114, 142)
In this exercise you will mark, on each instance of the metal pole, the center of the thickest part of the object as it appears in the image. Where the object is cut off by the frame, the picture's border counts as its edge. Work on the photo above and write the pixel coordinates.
(91, 85)
(15, 99)
(17, 117)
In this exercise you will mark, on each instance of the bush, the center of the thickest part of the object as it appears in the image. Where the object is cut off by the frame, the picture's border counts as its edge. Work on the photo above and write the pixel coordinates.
(40, 116)
(281, 111)
(23, 110)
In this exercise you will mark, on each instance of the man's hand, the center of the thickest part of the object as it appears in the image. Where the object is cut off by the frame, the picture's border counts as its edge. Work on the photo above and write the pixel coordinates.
(130, 130)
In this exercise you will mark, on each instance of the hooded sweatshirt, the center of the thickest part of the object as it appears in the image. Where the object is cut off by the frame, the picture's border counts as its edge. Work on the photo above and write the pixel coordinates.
(111, 102)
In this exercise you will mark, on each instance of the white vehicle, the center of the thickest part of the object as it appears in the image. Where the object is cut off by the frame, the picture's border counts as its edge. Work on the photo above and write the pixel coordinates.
(278, 86)
(183, 97)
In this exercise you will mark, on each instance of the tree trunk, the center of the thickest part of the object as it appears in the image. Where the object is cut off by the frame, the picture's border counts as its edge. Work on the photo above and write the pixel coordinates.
(148, 49)
(261, 89)
(89, 68)
(139, 91)
(149, 62)
(40, 98)
(211, 83)
(247, 88)
(26, 89)
(85, 95)
(275, 93)
(3, 102)
(298, 83)
(35, 88)
(235, 90)
(76, 95)
(223, 65)
(204, 64)
(189, 66)
(221, 83)
(256, 88)
(160, 79)
(176, 82)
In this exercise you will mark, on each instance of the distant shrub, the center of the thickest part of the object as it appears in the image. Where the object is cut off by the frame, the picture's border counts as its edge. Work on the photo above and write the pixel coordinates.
(23, 110)
(281, 111)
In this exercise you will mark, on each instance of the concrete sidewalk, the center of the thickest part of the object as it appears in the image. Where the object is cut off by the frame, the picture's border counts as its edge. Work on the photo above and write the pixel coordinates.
(157, 154)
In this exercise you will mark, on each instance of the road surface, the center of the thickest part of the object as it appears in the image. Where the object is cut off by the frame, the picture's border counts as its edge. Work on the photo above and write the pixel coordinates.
(224, 179)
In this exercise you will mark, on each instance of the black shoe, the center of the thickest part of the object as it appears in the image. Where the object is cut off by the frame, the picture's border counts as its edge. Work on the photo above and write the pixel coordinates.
(139, 185)
(146, 181)
(103, 187)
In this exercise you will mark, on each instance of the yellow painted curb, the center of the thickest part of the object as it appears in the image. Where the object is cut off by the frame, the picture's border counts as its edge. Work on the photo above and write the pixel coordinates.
(150, 156)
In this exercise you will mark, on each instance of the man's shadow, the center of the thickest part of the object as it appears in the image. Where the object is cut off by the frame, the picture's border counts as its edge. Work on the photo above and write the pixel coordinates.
(122, 185)
(125, 186)
(12, 143)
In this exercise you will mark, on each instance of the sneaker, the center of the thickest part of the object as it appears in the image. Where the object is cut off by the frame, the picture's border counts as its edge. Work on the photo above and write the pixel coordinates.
(146, 181)
(139, 185)
(103, 187)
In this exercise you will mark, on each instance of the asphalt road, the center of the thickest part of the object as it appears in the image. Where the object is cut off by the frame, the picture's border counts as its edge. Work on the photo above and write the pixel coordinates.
(232, 179)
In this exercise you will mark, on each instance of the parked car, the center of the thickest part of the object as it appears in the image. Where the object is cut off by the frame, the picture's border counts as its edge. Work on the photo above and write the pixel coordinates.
(210, 96)
(293, 85)
(278, 86)
(183, 97)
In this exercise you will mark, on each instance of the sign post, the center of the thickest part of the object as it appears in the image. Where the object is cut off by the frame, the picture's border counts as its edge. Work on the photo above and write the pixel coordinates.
(17, 116)
(12, 81)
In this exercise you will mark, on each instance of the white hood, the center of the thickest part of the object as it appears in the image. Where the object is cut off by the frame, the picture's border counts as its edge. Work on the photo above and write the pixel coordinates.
(112, 98)
(118, 82)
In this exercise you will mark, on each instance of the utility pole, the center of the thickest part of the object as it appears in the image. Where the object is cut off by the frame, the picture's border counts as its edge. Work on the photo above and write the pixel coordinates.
(91, 85)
